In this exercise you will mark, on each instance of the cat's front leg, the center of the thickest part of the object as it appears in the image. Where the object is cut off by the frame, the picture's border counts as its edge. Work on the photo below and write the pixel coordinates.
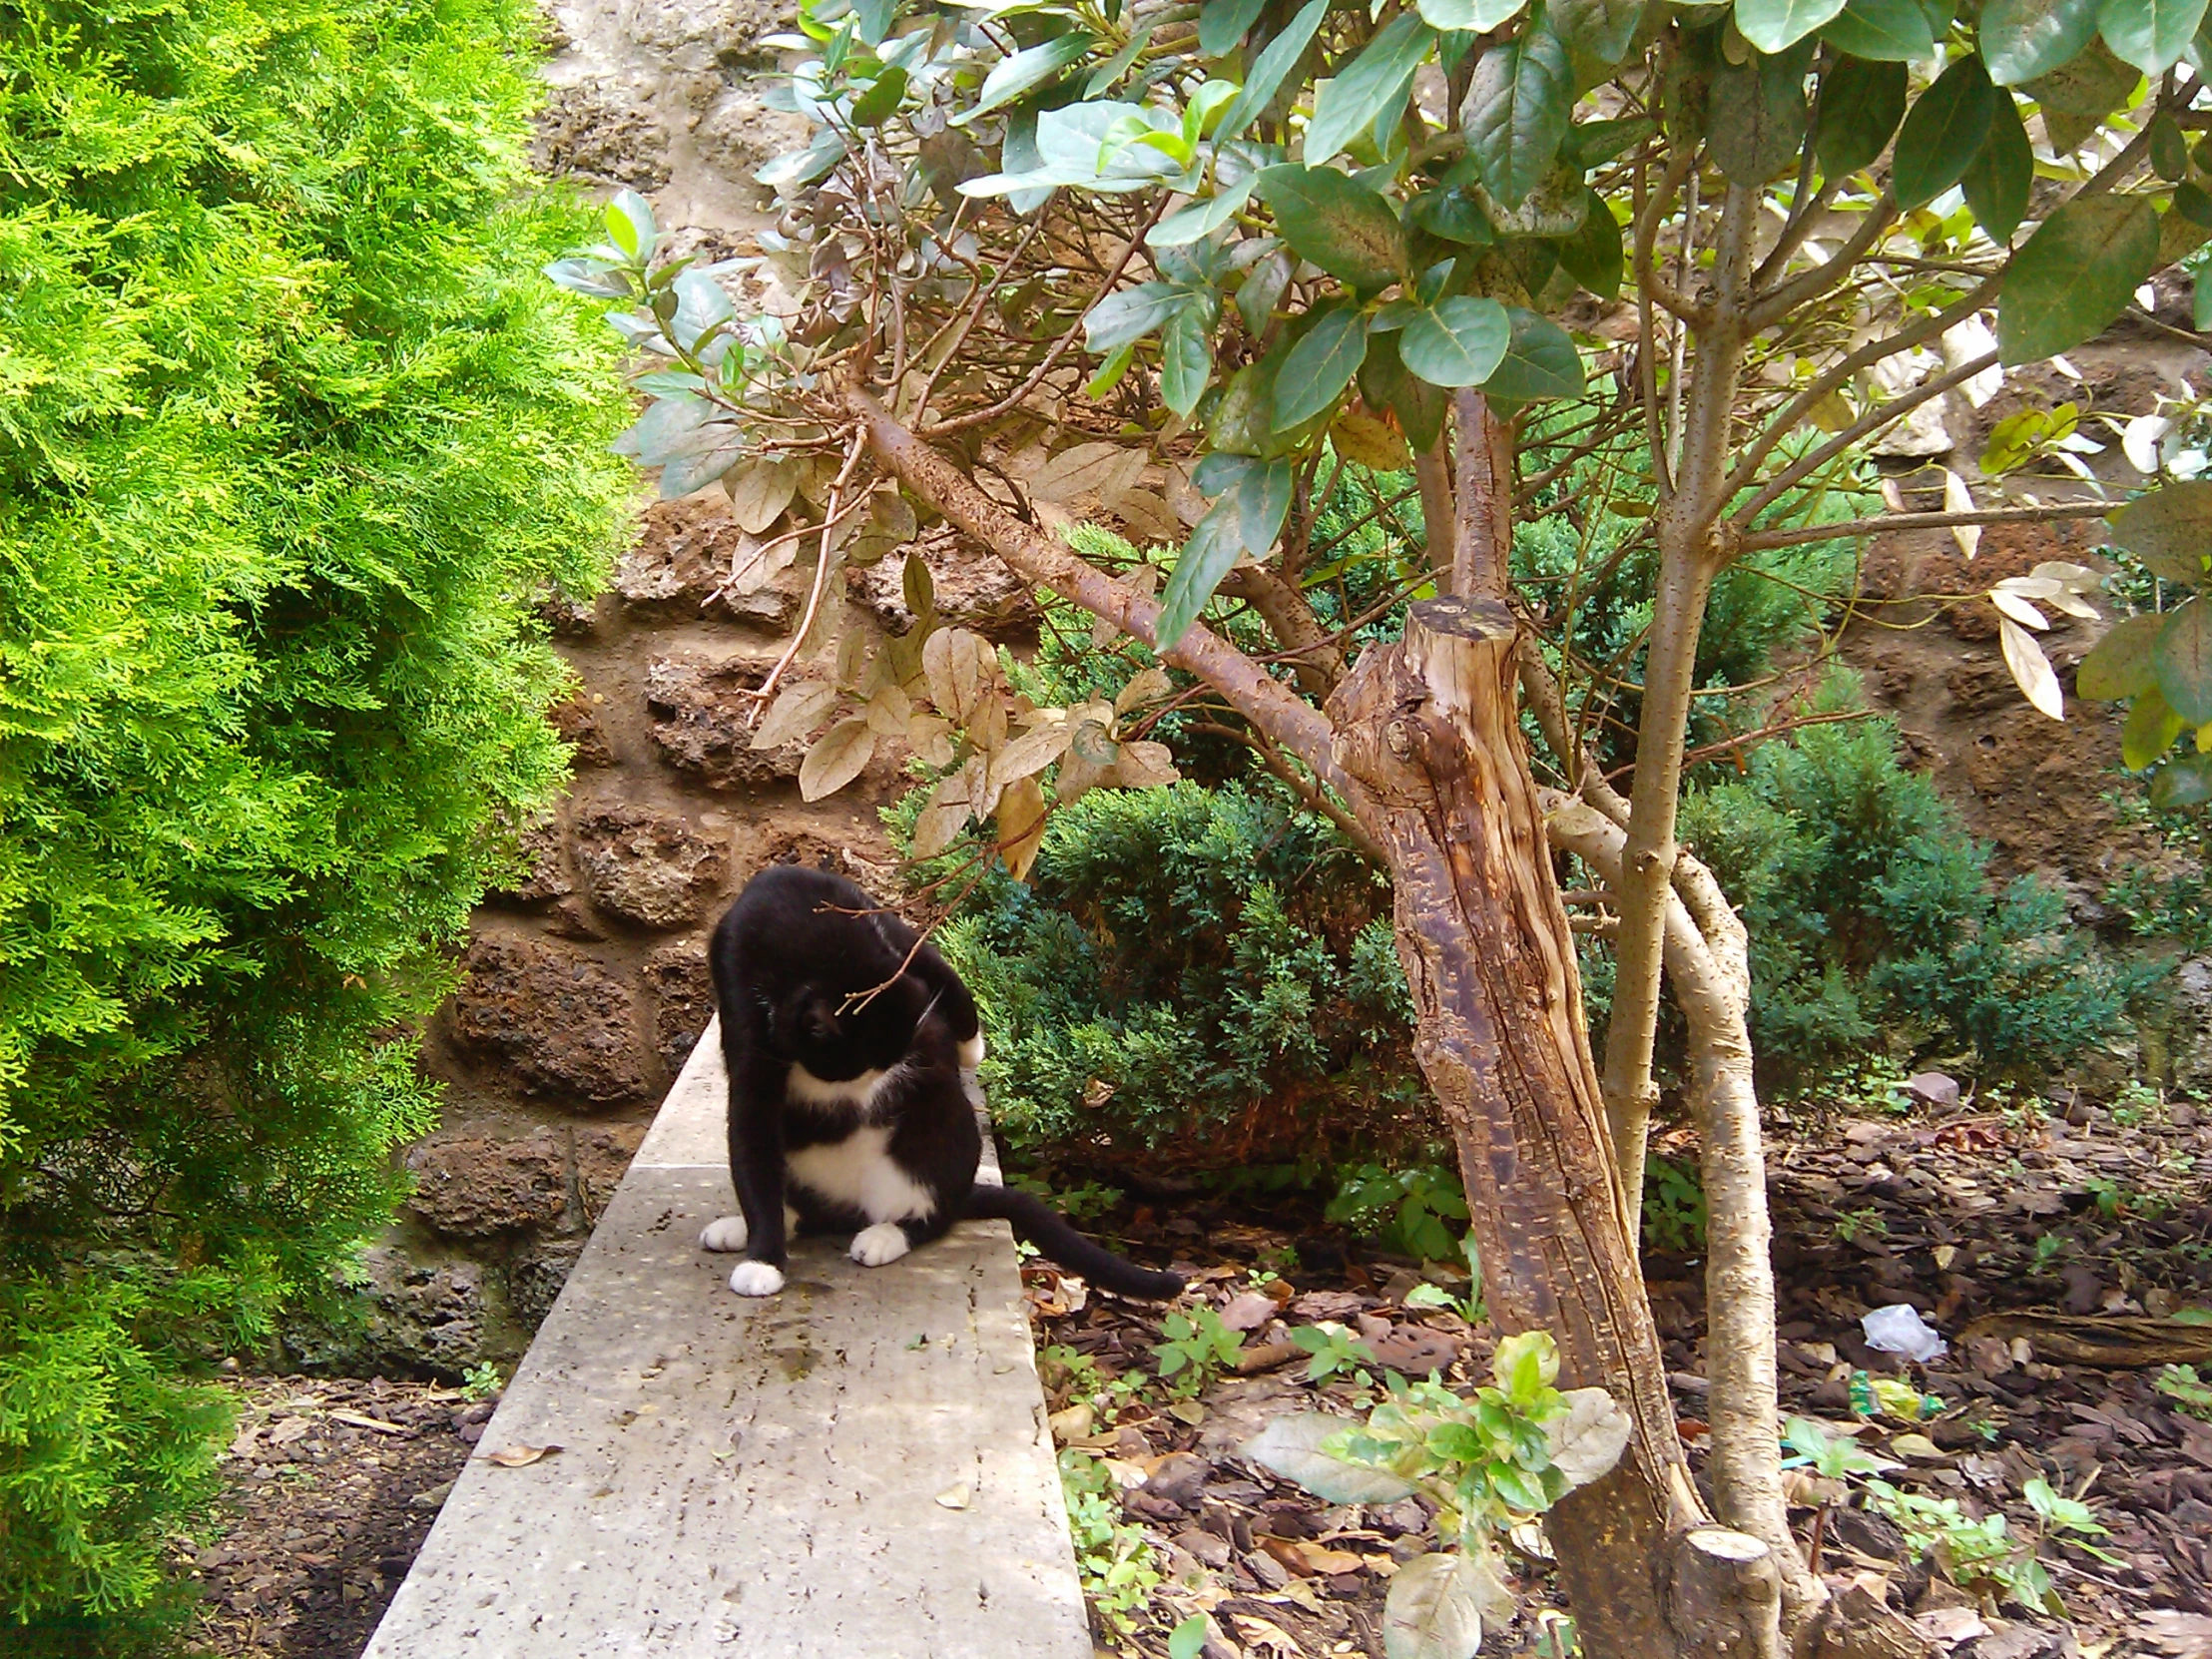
(755, 1171)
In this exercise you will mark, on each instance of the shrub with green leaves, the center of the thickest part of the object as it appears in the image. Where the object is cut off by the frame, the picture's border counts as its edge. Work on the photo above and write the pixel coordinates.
(291, 434)
(1210, 975)
(1874, 923)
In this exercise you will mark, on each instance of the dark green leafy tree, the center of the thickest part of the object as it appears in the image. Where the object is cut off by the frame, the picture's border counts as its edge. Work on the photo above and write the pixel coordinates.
(1049, 260)
(291, 438)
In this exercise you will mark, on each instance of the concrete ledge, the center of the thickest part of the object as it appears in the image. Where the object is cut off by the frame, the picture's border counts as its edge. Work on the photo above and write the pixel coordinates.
(858, 1467)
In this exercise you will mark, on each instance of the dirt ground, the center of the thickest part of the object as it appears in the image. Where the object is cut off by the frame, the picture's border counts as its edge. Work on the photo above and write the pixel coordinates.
(1979, 1212)
(1976, 1213)
(330, 1487)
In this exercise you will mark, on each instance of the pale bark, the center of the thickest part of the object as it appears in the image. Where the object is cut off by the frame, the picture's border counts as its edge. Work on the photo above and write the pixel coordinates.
(1689, 559)
(1707, 962)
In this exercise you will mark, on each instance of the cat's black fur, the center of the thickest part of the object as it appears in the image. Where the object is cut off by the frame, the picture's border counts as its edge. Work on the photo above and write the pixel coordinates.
(820, 1073)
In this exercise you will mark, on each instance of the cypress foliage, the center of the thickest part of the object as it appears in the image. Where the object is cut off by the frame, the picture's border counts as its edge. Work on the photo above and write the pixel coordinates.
(290, 433)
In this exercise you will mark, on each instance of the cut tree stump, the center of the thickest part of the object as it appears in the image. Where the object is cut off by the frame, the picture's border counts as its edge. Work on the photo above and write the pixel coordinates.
(860, 1466)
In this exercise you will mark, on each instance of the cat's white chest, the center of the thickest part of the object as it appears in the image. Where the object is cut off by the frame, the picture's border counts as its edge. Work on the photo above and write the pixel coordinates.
(858, 1171)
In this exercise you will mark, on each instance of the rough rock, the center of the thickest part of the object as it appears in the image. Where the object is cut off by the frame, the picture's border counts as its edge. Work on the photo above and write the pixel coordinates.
(473, 1186)
(699, 713)
(578, 726)
(973, 589)
(563, 1023)
(407, 1316)
(602, 1156)
(646, 866)
(534, 1279)
(544, 865)
(681, 559)
(591, 132)
(682, 999)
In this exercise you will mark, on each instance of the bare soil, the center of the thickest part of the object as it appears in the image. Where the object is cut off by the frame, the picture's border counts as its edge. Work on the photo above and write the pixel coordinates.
(1977, 1211)
(330, 1488)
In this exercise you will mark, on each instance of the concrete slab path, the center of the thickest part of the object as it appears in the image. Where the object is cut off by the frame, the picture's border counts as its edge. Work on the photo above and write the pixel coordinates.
(859, 1469)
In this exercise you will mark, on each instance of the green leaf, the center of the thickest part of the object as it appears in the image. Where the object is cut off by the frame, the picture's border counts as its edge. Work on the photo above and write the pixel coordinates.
(1348, 105)
(2151, 34)
(1277, 59)
(1755, 116)
(1196, 220)
(1998, 181)
(2149, 731)
(2170, 531)
(1469, 15)
(1516, 112)
(629, 221)
(2025, 39)
(1319, 366)
(1291, 1447)
(1457, 342)
(1186, 358)
(1457, 1442)
(1539, 361)
(1385, 385)
(2091, 83)
(2119, 666)
(2170, 146)
(2183, 661)
(1599, 30)
(1861, 106)
(1451, 216)
(1129, 314)
(1338, 223)
(1246, 520)
(1011, 77)
(665, 428)
(1262, 289)
(1525, 1365)
(2076, 274)
(1772, 25)
(2181, 784)
(1943, 133)
(880, 102)
(1222, 24)
(594, 278)
(1593, 255)
(1882, 31)
(1188, 1639)
(1434, 1609)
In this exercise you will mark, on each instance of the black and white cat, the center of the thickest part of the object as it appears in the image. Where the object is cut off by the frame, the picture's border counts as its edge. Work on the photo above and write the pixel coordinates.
(852, 1112)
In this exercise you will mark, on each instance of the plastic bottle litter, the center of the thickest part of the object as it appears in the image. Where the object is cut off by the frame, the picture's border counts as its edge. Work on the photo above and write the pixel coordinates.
(1901, 1329)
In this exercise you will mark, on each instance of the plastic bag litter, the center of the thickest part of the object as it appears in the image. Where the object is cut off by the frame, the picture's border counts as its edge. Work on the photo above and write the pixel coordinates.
(1901, 1329)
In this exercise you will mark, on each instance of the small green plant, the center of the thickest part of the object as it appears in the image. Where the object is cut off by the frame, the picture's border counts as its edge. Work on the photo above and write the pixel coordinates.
(1490, 1461)
(2136, 1102)
(2048, 1248)
(1865, 1220)
(482, 1382)
(1071, 1374)
(1112, 1556)
(2188, 1392)
(1837, 1457)
(1077, 1200)
(1199, 1348)
(1973, 1554)
(1188, 1639)
(1674, 1207)
(1420, 1211)
(1471, 1306)
(2071, 1516)
(1334, 1352)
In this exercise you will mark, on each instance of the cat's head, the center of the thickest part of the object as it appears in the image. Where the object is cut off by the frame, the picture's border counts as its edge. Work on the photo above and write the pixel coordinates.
(839, 1034)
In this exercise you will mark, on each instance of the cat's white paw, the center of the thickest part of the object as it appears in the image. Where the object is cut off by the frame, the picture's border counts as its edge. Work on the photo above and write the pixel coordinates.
(874, 1246)
(724, 1236)
(756, 1278)
(971, 1052)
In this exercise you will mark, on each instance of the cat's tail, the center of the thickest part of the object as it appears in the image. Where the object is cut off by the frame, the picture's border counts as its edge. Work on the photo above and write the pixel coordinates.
(1044, 1226)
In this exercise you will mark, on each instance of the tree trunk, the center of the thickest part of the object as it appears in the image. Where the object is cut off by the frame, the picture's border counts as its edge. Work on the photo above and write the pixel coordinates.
(1430, 730)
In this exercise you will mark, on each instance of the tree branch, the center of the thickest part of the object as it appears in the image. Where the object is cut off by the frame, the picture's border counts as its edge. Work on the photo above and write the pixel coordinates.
(1756, 539)
(1269, 705)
